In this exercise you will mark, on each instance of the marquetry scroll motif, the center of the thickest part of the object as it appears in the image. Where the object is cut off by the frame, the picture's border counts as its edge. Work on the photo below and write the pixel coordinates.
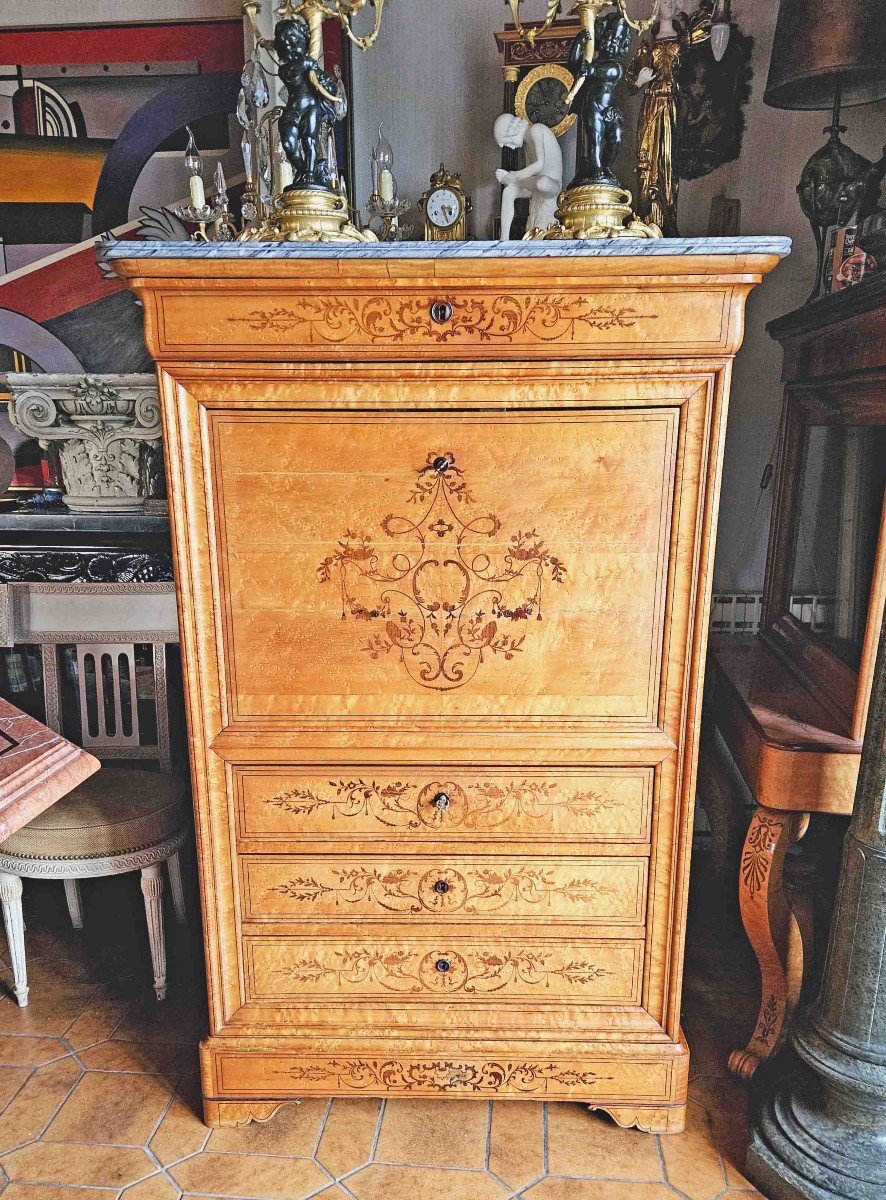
(455, 595)
(536, 889)
(424, 969)
(478, 1077)
(491, 806)
(385, 320)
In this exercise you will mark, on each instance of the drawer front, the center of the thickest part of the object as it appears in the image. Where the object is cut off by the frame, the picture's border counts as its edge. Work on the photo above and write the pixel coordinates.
(600, 804)
(472, 322)
(585, 890)
(450, 969)
(438, 571)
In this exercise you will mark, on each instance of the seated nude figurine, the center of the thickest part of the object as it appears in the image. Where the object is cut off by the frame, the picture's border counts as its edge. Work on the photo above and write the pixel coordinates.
(540, 181)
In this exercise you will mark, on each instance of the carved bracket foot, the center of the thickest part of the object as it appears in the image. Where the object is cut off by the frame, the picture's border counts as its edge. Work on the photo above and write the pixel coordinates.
(666, 1118)
(219, 1114)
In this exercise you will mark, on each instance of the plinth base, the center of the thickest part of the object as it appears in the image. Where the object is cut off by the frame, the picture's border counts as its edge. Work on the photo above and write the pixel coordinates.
(311, 215)
(799, 1147)
(596, 210)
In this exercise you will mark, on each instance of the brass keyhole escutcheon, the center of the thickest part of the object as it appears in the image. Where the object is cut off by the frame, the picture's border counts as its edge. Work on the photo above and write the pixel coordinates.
(441, 312)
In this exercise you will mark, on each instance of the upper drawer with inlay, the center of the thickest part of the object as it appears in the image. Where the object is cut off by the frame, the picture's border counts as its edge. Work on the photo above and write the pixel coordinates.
(473, 805)
(438, 320)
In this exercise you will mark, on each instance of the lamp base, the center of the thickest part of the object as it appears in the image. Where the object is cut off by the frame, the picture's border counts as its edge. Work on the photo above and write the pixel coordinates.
(310, 215)
(595, 210)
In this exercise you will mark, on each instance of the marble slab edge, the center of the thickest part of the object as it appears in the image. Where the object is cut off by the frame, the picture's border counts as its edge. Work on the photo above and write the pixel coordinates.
(604, 248)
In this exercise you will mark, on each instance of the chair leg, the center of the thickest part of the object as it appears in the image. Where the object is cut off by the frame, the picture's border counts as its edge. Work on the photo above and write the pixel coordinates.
(775, 934)
(152, 890)
(75, 902)
(173, 864)
(11, 900)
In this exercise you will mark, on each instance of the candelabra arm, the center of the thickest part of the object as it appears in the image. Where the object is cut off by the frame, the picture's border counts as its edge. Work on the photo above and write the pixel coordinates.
(347, 8)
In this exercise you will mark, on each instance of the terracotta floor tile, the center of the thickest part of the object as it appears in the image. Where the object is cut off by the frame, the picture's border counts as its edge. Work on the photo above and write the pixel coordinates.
(593, 1189)
(149, 1021)
(294, 1131)
(170, 1061)
(434, 1133)
(90, 1166)
(158, 1187)
(348, 1135)
(11, 1079)
(96, 1023)
(332, 1193)
(591, 1144)
(386, 1182)
(725, 1102)
(251, 1175)
(105, 1108)
(30, 1051)
(181, 1132)
(516, 1143)
(36, 1103)
(50, 1011)
(43, 1191)
(692, 1162)
(747, 1193)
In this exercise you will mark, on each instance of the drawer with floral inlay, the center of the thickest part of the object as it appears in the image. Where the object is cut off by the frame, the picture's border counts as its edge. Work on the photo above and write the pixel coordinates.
(382, 804)
(438, 967)
(287, 888)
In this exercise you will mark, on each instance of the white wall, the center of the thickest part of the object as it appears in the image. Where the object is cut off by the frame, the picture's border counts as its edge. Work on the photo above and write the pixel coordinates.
(434, 76)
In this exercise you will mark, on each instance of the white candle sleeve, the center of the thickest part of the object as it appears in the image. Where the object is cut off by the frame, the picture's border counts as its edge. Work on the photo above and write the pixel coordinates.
(198, 195)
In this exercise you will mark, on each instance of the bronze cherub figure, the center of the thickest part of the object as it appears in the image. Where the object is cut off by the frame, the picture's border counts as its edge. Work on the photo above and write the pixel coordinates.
(311, 106)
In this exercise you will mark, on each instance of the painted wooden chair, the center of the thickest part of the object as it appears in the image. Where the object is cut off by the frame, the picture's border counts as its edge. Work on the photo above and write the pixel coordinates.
(93, 640)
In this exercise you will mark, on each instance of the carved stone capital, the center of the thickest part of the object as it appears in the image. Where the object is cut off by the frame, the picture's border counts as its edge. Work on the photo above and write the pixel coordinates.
(109, 431)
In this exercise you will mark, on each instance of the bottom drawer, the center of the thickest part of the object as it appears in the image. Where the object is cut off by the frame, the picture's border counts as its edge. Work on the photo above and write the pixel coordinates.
(450, 968)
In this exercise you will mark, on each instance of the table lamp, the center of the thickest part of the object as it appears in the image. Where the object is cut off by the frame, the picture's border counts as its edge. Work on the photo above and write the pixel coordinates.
(828, 54)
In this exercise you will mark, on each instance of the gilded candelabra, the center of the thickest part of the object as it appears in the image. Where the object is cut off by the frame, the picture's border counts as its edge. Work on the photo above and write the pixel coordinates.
(595, 205)
(310, 205)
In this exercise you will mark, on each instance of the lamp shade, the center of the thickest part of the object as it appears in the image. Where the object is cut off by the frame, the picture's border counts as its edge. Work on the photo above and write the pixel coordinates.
(819, 43)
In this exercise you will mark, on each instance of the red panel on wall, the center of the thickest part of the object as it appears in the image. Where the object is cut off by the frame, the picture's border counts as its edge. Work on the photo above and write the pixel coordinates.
(216, 46)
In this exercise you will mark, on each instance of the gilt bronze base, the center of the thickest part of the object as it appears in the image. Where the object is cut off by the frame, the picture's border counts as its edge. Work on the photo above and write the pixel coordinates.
(311, 215)
(596, 210)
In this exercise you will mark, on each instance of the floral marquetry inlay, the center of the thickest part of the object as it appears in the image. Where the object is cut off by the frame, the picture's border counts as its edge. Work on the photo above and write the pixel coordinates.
(444, 972)
(489, 1077)
(444, 890)
(452, 596)
(477, 807)
(390, 319)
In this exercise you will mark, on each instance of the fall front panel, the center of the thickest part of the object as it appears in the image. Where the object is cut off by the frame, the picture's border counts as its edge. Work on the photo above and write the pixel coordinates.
(502, 567)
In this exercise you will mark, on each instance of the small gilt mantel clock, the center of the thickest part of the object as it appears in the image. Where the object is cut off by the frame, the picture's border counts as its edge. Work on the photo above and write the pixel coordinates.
(445, 205)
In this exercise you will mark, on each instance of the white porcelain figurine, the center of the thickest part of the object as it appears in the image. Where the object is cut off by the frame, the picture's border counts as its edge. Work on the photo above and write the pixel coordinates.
(540, 181)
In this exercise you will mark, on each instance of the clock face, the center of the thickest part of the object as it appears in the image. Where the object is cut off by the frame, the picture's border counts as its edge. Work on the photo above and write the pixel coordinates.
(541, 98)
(546, 102)
(444, 208)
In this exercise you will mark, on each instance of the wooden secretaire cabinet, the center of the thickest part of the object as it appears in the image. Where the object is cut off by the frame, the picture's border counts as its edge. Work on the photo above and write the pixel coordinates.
(443, 523)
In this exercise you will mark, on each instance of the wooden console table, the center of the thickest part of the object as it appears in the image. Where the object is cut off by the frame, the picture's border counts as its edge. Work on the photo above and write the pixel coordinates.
(443, 530)
(791, 703)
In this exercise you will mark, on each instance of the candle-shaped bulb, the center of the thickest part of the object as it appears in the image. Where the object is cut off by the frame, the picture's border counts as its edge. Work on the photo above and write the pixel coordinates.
(193, 161)
(382, 158)
(720, 28)
(194, 164)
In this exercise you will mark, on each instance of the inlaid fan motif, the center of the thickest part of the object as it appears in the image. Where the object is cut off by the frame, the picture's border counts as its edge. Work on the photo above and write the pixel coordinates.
(450, 593)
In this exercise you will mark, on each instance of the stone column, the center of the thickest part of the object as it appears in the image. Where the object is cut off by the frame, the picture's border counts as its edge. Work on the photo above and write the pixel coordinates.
(108, 431)
(819, 1112)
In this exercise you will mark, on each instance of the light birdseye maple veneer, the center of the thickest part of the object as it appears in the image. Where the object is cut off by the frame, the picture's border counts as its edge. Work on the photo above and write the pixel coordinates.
(443, 533)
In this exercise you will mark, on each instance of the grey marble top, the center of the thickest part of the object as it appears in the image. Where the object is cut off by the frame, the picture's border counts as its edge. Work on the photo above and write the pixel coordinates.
(602, 248)
(62, 520)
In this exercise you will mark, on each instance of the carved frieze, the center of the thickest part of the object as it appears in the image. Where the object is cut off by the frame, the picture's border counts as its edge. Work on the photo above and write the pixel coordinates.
(108, 432)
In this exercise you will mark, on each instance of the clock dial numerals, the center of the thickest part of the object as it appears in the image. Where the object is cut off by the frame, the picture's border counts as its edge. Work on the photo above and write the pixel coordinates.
(444, 208)
(546, 103)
